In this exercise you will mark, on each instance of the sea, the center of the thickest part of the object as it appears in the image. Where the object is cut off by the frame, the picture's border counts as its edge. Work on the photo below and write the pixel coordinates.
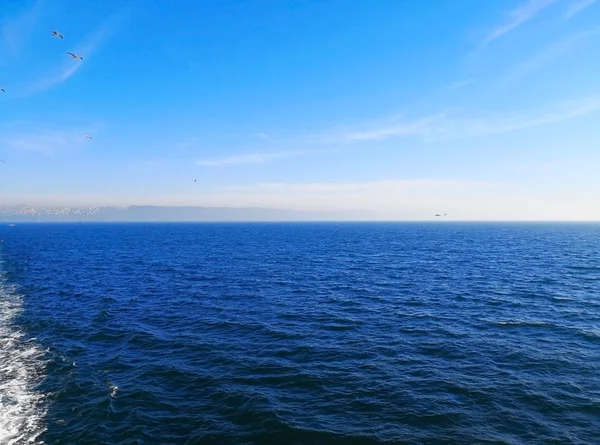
(300, 333)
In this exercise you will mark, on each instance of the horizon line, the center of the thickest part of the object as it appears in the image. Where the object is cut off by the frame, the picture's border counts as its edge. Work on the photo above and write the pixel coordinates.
(317, 221)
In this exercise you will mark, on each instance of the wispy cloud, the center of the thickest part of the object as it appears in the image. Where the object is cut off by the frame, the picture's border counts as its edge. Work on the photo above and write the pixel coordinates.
(518, 17)
(250, 158)
(460, 84)
(577, 6)
(264, 137)
(14, 31)
(551, 53)
(44, 139)
(433, 127)
(392, 127)
(286, 188)
(46, 142)
(445, 126)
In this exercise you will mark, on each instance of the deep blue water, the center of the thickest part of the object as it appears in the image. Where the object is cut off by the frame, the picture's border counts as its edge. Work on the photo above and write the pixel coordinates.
(300, 333)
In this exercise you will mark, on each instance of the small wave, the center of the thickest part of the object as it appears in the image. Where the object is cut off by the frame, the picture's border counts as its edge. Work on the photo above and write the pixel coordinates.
(533, 324)
(557, 298)
(584, 268)
(21, 365)
(592, 333)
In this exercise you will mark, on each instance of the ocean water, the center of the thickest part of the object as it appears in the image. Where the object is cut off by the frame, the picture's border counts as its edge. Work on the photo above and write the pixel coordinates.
(300, 334)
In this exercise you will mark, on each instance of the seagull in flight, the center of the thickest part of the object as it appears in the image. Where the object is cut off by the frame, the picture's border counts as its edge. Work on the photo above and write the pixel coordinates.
(75, 56)
(87, 136)
(57, 34)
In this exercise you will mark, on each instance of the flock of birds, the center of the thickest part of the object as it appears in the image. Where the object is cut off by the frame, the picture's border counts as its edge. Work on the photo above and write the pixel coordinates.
(61, 37)
(74, 56)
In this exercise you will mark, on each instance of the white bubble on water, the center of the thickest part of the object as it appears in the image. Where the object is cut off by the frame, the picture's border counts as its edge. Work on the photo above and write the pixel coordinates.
(21, 368)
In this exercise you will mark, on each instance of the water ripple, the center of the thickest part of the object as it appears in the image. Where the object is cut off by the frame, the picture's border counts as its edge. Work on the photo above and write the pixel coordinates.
(308, 333)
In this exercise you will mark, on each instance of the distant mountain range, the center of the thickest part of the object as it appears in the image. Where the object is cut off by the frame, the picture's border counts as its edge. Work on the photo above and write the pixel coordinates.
(166, 214)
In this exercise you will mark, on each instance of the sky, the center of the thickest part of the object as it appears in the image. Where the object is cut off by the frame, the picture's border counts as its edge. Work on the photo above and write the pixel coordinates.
(484, 110)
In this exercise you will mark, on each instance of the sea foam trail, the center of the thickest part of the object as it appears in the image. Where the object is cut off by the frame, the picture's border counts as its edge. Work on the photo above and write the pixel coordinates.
(21, 368)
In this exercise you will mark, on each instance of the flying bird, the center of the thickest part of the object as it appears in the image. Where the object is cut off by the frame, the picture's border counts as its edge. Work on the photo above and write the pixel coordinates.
(75, 56)
(2, 89)
(2, 160)
(437, 214)
(57, 34)
(87, 136)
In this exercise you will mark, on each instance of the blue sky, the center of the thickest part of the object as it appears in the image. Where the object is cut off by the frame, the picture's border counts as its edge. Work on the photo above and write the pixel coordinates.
(481, 109)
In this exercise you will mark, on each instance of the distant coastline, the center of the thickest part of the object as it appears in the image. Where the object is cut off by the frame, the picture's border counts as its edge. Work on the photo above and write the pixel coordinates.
(170, 214)
(198, 214)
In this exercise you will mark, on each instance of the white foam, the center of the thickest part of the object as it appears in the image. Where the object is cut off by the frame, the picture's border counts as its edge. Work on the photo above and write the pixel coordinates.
(113, 390)
(21, 368)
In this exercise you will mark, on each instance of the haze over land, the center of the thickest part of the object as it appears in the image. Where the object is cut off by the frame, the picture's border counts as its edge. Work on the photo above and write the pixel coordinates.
(485, 110)
(172, 214)
(24, 213)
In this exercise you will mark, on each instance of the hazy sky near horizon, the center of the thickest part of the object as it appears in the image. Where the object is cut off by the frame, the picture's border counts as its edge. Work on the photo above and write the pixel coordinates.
(481, 109)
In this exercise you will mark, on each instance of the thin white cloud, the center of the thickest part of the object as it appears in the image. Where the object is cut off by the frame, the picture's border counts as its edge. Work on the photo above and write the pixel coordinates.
(287, 188)
(577, 6)
(518, 17)
(551, 53)
(396, 126)
(264, 137)
(44, 139)
(518, 121)
(434, 127)
(460, 84)
(48, 142)
(15, 31)
(444, 126)
(250, 158)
